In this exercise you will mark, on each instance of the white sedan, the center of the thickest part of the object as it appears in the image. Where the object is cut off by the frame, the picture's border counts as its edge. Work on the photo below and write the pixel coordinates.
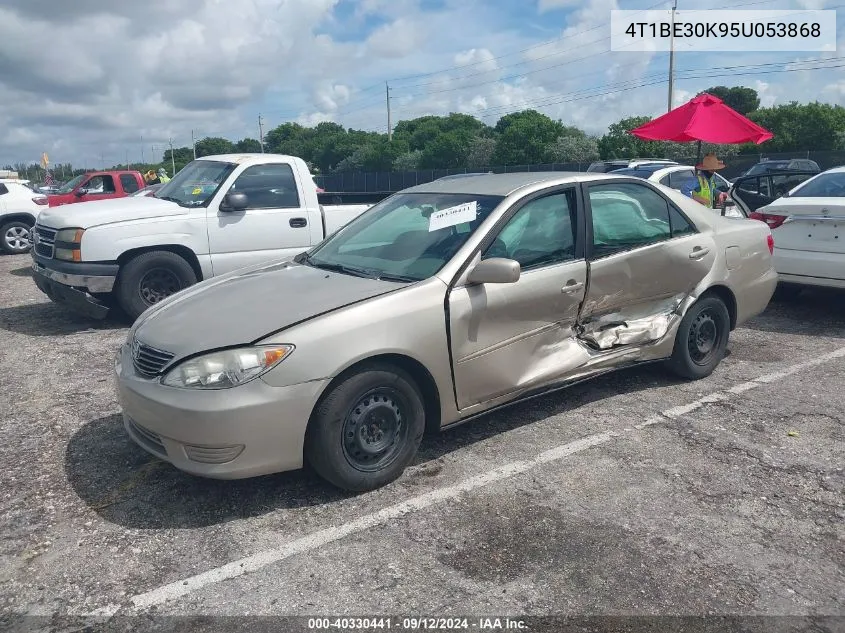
(676, 177)
(808, 226)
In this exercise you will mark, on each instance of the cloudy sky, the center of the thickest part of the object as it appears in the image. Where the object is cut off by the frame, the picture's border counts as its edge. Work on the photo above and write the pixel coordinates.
(92, 82)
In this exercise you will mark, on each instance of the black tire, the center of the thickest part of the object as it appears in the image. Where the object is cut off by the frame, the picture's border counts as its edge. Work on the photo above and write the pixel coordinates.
(367, 429)
(701, 340)
(10, 237)
(150, 277)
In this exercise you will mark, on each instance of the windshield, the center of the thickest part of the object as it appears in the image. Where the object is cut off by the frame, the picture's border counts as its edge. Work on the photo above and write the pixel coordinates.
(408, 237)
(196, 184)
(762, 168)
(830, 185)
(70, 186)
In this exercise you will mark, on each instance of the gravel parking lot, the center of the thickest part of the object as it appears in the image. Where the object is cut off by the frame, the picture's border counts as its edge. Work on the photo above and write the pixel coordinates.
(635, 494)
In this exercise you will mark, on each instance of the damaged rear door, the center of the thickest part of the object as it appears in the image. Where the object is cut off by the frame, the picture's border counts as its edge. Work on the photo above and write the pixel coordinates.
(506, 338)
(645, 258)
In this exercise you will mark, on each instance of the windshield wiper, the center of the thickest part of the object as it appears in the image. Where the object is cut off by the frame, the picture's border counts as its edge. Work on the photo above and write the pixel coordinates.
(391, 277)
(171, 199)
(338, 268)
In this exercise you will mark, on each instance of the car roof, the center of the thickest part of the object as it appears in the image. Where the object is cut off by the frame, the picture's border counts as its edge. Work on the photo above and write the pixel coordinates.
(501, 184)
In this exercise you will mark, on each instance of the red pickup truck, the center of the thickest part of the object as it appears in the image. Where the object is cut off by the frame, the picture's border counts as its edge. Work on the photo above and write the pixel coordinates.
(98, 185)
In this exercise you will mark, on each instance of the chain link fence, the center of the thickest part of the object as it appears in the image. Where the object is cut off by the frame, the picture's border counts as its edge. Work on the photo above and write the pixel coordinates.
(389, 181)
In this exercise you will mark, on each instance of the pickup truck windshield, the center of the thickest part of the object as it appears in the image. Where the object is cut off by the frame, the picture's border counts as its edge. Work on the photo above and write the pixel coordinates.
(196, 184)
(71, 185)
(408, 237)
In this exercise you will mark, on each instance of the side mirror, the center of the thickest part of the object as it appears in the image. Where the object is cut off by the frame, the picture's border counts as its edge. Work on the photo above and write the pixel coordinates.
(234, 202)
(496, 270)
(80, 192)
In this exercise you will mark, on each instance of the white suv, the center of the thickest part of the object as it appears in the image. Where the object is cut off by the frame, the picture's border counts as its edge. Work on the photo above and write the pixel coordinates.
(19, 208)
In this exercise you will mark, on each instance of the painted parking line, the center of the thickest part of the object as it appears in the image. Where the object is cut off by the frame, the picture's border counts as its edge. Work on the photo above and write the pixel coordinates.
(310, 542)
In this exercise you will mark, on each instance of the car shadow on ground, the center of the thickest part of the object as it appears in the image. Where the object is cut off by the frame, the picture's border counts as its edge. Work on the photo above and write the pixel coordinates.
(814, 312)
(52, 319)
(26, 271)
(128, 487)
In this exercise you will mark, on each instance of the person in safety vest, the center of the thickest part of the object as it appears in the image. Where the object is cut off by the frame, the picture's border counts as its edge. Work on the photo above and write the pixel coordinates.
(162, 175)
(703, 188)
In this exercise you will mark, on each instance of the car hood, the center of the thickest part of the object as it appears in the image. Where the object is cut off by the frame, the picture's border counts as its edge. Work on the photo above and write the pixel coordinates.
(243, 307)
(85, 215)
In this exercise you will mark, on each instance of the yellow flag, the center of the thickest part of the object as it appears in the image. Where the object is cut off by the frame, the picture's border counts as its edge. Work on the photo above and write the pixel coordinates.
(44, 160)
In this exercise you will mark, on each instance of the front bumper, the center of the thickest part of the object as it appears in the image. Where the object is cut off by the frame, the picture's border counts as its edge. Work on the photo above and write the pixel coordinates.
(72, 283)
(245, 431)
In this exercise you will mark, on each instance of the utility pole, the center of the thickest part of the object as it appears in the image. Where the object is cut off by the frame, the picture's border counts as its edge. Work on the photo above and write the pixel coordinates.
(142, 150)
(389, 126)
(172, 158)
(127, 160)
(261, 132)
(194, 144)
(672, 55)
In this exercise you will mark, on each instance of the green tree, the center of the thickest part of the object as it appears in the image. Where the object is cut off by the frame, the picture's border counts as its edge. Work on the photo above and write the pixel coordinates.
(480, 152)
(578, 148)
(181, 155)
(743, 100)
(214, 145)
(810, 126)
(620, 143)
(524, 137)
(408, 161)
(248, 146)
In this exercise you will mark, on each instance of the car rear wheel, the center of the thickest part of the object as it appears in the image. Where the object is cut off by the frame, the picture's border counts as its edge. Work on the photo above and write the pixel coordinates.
(151, 277)
(702, 339)
(16, 237)
(366, 431)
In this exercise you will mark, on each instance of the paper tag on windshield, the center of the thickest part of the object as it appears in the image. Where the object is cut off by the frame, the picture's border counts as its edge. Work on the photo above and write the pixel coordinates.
(452, 216)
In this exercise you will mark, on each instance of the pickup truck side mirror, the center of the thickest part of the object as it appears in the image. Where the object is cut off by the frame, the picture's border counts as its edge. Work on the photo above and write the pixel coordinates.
(495, 270)
(234, 202)
(80, 192)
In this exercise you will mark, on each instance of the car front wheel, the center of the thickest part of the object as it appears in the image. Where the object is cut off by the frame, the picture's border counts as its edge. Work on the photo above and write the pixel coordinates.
(16, 237)
(367, 429)
(702, 339)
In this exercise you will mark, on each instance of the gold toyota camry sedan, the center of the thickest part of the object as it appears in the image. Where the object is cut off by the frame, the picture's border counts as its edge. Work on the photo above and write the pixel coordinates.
(440, 303)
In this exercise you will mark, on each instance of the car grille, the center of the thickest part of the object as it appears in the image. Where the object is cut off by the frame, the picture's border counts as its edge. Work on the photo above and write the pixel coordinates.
(45, 241)
(147, 360)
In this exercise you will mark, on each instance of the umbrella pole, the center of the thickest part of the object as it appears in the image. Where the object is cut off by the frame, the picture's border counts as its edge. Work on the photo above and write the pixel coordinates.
(698, 154)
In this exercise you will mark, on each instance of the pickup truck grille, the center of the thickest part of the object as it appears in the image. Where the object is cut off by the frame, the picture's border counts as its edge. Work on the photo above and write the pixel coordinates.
(44, 241)
(147, 360)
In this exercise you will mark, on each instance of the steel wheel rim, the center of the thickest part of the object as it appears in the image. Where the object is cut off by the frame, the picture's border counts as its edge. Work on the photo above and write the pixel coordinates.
(158, 284)
(704, 337)
(375, 429)
(17, 238)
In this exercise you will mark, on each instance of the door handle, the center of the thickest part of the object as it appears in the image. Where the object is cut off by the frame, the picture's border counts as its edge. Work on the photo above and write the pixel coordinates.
(699, 252)
(572, 287)
(298, 223)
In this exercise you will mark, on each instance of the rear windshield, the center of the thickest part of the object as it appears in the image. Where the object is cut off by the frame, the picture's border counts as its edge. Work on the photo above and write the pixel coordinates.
(830, 185)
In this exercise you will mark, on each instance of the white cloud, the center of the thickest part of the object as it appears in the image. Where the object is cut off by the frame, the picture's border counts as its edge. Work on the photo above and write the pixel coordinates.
(97, 79)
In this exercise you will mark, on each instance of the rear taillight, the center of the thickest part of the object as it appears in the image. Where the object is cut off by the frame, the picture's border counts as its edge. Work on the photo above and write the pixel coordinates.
(42, 201)
(774, 221)
(771, 242)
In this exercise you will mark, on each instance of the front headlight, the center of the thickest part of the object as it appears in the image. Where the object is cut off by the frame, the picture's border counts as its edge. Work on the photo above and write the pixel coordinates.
(68, 245)
(226, 368)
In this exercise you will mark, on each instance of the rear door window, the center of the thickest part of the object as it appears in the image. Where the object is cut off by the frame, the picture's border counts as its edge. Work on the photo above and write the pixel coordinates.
(677, 179)
(129, 183)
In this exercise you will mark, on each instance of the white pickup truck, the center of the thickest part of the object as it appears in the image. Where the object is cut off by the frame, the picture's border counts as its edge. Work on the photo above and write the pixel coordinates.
(218, 214)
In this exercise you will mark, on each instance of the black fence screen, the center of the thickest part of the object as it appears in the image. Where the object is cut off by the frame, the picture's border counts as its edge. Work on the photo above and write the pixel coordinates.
(390, 181)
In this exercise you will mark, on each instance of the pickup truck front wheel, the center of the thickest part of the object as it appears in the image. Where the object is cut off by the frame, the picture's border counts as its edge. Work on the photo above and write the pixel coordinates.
(150, 277)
